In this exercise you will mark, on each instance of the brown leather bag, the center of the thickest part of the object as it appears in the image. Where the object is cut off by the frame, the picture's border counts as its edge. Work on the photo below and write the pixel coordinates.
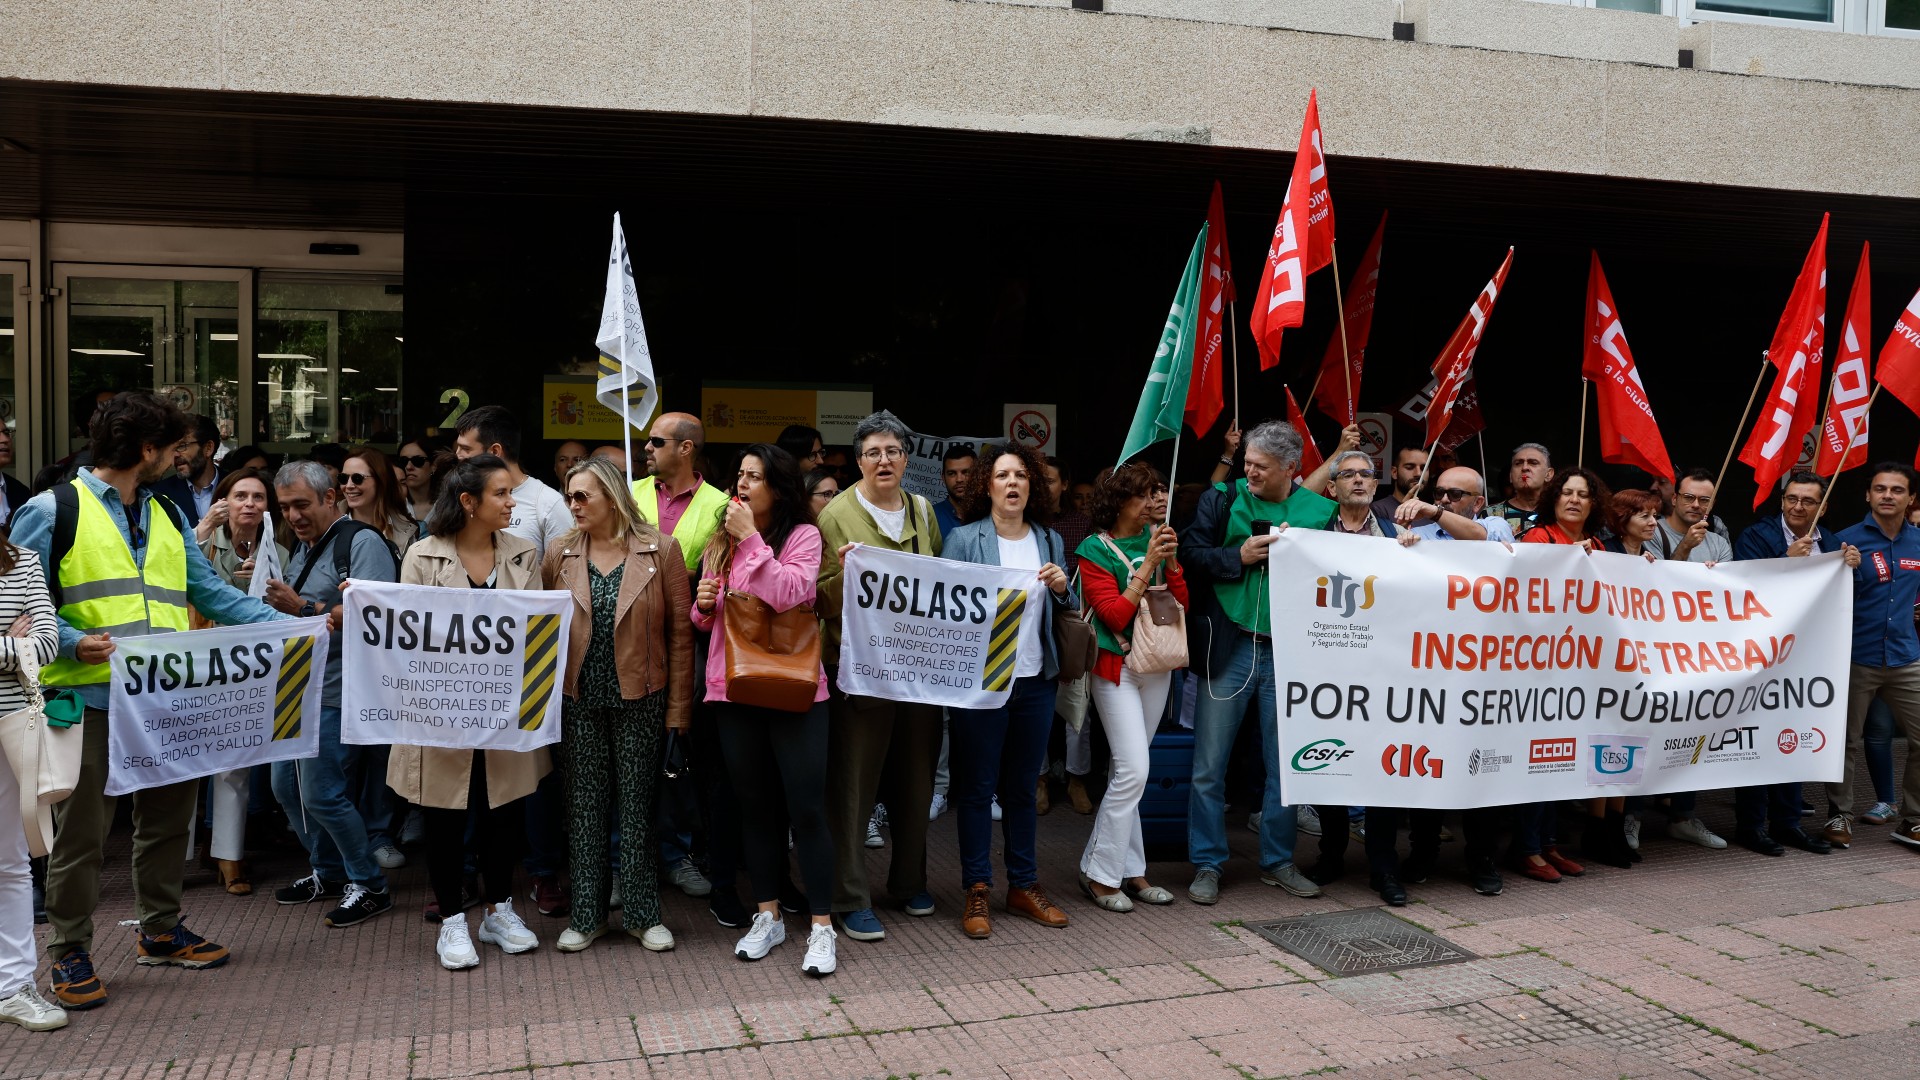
(773, 657)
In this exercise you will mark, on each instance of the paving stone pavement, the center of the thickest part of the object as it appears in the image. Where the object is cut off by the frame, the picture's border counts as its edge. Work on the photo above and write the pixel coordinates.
(1694, 963)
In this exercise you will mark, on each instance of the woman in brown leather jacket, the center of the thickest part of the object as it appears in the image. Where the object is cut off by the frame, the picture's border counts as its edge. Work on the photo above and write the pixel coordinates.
(629, 678)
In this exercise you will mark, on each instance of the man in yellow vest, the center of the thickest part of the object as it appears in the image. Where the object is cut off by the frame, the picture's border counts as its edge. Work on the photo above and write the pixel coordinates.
(119, 566)
(673, 496)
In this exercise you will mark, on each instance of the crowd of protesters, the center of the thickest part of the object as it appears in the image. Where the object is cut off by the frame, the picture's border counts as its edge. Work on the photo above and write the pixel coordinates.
(657, 568)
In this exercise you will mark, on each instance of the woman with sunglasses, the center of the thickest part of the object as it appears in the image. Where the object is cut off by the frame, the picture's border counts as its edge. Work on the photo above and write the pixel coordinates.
(630, 679)
(822, 486)
(372, 498)
(416, 461)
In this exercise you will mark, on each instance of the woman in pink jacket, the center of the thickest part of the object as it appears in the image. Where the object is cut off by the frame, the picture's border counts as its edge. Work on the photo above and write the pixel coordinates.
(768, 547)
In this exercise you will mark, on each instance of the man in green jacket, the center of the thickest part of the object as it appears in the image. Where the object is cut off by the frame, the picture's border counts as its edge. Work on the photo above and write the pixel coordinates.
(878, 747)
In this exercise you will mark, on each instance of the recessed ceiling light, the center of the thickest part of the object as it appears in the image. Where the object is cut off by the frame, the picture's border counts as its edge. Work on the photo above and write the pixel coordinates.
(388, 389)
(349, 371)
(107, 352)
(6, 331)
(224, 337)
(285, 356)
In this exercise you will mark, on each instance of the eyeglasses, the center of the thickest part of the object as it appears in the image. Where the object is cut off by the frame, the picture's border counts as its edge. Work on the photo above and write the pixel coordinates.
(1694, 500)
(414, 461)
(890, 453)
(1450, 494)
(355, 478)
(1798, 501)
(823, 494)
(579, 498)
(1348, 474)
(657, 441)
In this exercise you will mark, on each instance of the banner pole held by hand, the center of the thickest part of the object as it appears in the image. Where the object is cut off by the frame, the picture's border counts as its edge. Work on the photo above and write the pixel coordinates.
(1233, 340)
(1852, 439)
(1340, 309)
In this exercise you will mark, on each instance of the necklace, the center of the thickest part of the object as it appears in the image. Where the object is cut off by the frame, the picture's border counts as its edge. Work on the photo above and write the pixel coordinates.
(243, 548)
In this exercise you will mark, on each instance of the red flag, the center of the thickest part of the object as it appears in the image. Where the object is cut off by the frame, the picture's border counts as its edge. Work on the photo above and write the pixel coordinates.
(1302, 243)
(1900, 358)
(1844, 431)
(1628, 433)
(1794, 401)
(1455, 362)
(1310, 458)
(1204, 397)
(1332, 397)
(1467, 420)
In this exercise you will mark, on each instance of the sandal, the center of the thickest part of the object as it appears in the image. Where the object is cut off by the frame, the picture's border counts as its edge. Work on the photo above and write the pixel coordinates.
(1152, 894)
(233, 877)
(1111, 901)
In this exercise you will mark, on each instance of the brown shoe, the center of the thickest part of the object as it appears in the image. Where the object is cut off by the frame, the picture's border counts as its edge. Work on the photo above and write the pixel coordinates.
(973, 917)
(1033, 903)
(1839, 831)
(1041, 803)
(233, 877)
(1077, 794)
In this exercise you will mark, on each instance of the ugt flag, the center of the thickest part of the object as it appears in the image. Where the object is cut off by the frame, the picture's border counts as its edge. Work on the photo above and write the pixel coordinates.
(1163, 401)
(1794, 401)
(1628, 433)
(627, 384)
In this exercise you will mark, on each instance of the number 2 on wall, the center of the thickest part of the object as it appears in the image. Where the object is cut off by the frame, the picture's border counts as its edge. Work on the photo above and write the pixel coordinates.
(460, 400)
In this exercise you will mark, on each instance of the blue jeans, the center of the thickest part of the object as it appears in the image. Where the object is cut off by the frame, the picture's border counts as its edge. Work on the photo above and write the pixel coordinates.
(1878, 736)
(1247, 675)
(998, 751)
(1534, 825)
(373, 798)
(314, 793)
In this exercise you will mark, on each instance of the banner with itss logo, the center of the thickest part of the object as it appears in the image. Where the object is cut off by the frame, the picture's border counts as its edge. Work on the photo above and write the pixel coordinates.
(471, 669)
(1471, 674)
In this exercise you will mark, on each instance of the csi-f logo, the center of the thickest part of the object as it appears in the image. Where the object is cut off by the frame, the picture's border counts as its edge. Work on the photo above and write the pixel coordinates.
(1344, 594)
(1318, 755)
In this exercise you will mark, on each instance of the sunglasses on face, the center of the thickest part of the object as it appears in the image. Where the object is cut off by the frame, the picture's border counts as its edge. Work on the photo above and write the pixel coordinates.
(355, 478)
(579, 498)
(1450, 494)
(657, 441)
(414, 461)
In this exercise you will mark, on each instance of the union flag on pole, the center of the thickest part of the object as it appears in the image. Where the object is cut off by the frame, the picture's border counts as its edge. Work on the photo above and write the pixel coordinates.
(1467, 418)
(626, 384)
(1794, 401)
(1455, 362)
(1628, 433)
(1302, 242)
(1204, 396)
(1843, 432)
(1332, 397)
(1310, 458)
(1900, 357)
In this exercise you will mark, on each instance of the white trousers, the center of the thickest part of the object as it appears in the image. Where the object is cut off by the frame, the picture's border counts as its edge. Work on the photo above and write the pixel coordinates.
(17, 954)
(1130, 713)
(230, 796)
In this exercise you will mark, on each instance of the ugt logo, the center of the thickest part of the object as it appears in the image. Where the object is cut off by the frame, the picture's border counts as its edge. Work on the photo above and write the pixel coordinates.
(1344, 594)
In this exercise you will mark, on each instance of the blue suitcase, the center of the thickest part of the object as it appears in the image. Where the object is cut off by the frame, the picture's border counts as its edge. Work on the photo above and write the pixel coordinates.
(1163, 807)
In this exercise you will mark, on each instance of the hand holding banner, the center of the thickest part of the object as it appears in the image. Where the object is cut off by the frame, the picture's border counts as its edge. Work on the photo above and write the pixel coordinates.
(192, 704)
(472, 669)
(917, 628)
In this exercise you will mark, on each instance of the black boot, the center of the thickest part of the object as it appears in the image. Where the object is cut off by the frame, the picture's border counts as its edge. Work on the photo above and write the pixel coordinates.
(1605, 840)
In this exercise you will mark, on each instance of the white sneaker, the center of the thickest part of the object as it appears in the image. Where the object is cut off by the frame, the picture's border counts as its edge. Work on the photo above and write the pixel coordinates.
(31, 1011)
(766, 932)
(1695, 831)
(572, 940)
(820, 959)
(996, 808)
(1632, 830)
(389, 857)
(455, 946)
(1254, 819)
(502, 927)
(874, 839)
(1309, 820)
(654, 938)
(938, 806)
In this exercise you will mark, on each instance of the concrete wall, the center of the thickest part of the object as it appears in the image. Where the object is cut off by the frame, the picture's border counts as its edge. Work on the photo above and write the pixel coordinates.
(1504, 83)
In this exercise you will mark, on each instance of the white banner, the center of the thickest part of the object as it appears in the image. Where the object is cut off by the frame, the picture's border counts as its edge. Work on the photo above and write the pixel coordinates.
(923, 463)
(182, 706)
(473, 669)
(1456, 675)
(917, 628)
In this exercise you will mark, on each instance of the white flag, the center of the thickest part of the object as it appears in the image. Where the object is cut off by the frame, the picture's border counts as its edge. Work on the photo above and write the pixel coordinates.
(626, 364)
(266, 559)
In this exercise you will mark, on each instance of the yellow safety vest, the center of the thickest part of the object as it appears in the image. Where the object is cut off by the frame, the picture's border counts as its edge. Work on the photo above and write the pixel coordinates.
(102, 589)
(695, 526)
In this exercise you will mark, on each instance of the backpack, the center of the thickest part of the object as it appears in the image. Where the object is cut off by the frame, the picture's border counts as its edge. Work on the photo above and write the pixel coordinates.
(66, 522)
(341, 542)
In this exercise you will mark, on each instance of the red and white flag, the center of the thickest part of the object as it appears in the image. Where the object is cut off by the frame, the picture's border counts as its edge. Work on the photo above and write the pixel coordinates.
(1455, 362)
(1302, 242)
(1628, 433)
(1310, 458)
(1204, 396)
(1467, 419)
(1843, 433)
(1900, 357)
(1794, 401)
(1332, 398)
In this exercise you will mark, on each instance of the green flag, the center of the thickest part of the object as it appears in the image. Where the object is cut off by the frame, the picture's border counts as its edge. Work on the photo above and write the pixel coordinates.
(1163, 402)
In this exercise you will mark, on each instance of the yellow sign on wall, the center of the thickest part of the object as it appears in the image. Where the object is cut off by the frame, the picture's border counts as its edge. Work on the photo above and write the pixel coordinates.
(749, 414)
(572, 412)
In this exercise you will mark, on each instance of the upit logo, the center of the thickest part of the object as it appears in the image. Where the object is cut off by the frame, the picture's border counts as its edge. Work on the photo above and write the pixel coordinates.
(1552, 751)
(1344, 594)
(1405, 759)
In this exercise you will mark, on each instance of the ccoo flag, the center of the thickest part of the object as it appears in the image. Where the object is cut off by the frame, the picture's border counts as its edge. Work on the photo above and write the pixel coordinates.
(1332, 397)
(1628, 433)
(1793, 404)
(1302, 242)
(626, 383)
(1163, 401)
(1455, 362)
(1843, 431)
(1204, 398)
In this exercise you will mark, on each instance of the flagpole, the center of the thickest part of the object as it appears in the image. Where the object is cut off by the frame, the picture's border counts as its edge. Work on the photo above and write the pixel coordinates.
(1233, 339)
(1841, 466)
(1482, 436)
(1744, 413)
(1422, 482)
(626, 438)
(1340, 309)
(1586, 385)
(1172, 471)
(1314, 389)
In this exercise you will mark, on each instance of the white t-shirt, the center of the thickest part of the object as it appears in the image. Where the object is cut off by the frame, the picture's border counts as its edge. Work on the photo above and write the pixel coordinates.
(539, 514)
(891, 523)
(1025, 555)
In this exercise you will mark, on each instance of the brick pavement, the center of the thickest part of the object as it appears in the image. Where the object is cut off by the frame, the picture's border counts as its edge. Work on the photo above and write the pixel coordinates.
(1695, 963)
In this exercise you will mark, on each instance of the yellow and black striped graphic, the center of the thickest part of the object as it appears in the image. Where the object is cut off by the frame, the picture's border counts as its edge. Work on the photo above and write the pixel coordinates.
(296, 670)
(636, 392)
(540, 670)
(1004, 643)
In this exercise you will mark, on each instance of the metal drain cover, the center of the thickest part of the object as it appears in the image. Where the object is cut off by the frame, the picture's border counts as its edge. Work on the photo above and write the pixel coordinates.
(1360, 942)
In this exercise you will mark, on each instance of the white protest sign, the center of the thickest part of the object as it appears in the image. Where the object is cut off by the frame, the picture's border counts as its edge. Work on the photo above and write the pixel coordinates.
(924, 454)
(1458, 675)
(917, 628)
(471, 669)
(187, 705)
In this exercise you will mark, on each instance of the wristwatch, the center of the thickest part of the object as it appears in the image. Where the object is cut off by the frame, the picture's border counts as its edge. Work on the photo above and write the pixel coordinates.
(308, 611)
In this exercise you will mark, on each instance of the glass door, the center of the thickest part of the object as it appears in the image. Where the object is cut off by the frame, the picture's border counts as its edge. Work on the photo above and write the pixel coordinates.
(13, 356)
(174, 330)
(328, 366)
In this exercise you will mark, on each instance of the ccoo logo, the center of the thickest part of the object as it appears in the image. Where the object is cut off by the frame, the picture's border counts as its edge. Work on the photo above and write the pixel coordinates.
(1405, 759)
(1344, 594)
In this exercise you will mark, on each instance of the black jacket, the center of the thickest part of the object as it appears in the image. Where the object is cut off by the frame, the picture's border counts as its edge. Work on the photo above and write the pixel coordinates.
(180, 493)
(1767, 539)
(1211, 636)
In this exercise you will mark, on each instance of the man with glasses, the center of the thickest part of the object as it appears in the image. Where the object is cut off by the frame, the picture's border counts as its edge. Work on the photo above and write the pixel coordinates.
(1454, 514)
(673, 496)
(194, 473)
(1685, 534)
(883, 751)
(805, 444)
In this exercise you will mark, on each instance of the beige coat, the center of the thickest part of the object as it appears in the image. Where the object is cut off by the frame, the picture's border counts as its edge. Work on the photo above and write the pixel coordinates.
(436, 777)
(652, 636)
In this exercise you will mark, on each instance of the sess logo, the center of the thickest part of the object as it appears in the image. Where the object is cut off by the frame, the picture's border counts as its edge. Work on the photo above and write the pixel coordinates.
(1344, 594)
(1319, 754)
(1617, 759)
(1405, 759)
